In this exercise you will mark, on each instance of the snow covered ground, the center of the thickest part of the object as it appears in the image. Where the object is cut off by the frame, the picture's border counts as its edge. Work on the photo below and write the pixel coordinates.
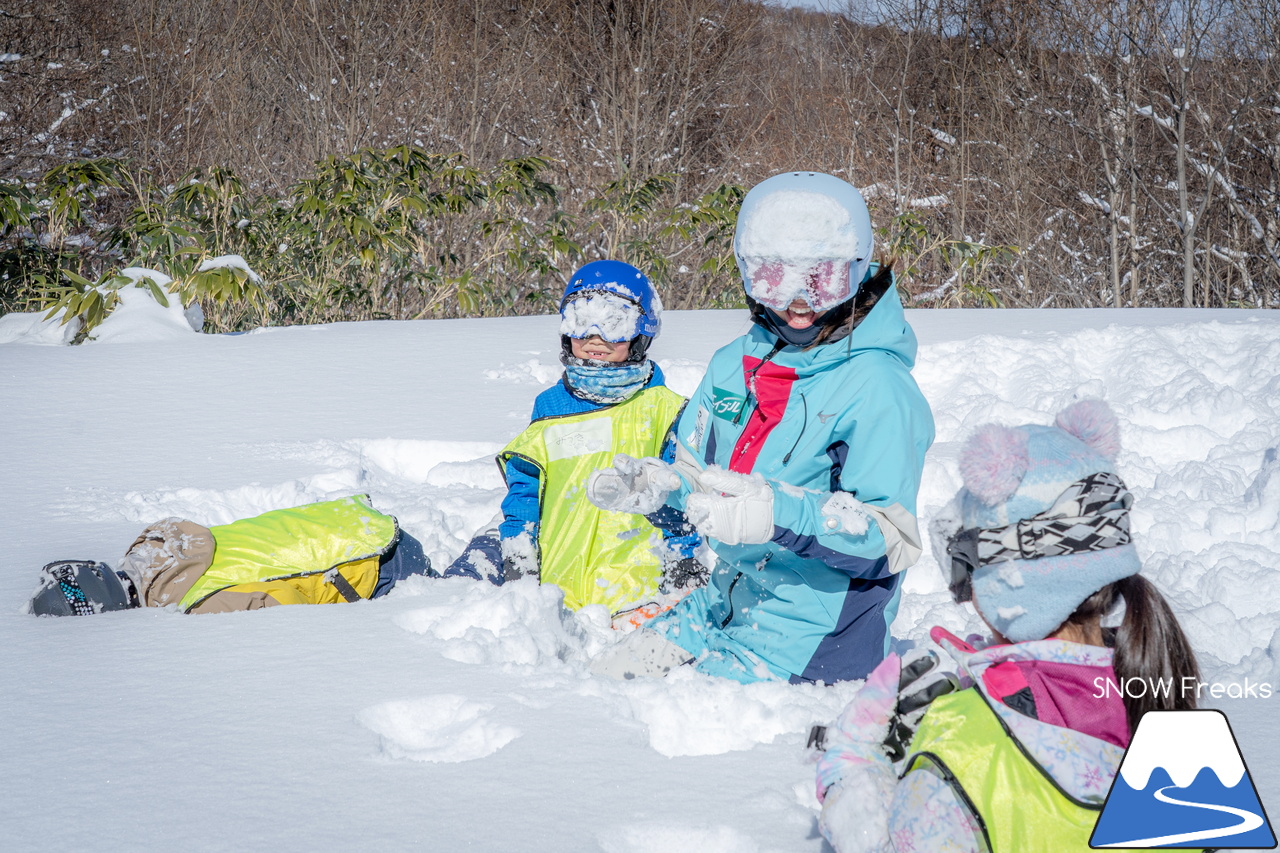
(452, 715)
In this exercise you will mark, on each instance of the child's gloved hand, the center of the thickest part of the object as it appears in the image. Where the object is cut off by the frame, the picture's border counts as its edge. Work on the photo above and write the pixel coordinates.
(884, 714)
(520, 558)
(855, 778)
(920, 682)
(855, 773)
(632, 485)
(735, 508)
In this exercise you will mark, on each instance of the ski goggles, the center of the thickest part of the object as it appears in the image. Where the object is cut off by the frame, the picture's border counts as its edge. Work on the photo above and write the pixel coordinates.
(612, 316)
(774, 283)
(1091, 515)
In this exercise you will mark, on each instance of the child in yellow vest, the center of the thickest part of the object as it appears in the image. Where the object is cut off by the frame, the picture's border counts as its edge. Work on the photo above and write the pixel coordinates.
(319, 553)
(1022, 758)
(610, 400)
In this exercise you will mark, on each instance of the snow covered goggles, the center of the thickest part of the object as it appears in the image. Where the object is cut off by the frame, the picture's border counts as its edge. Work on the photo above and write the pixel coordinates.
(612, 316)
(1091, 515)
(776, 283)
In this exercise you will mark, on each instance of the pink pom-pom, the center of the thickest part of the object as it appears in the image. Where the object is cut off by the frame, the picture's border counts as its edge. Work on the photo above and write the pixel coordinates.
(993, 462)
(1093, 422)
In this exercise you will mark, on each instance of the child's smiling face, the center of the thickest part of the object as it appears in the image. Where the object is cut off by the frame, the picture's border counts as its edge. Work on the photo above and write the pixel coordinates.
(598, 349)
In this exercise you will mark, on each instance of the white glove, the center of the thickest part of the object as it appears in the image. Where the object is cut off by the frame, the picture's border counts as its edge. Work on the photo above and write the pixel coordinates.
(736, 509)
(632, 485)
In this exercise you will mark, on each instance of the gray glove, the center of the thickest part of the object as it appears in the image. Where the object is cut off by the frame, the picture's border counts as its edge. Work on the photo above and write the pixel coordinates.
(632, 485)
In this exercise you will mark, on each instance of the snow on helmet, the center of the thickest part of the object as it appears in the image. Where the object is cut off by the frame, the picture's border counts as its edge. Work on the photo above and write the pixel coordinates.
(614, 300)
(81, 588)
(803, 235)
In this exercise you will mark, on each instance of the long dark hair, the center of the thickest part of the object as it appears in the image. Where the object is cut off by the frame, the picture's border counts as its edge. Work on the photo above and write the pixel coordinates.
(867, 297)
(1149, 645)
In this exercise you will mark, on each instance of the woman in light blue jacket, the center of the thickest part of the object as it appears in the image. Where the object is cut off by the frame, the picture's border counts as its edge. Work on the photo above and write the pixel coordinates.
(799, 457)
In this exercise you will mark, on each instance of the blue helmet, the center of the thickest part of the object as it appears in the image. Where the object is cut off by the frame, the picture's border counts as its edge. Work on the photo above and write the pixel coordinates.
(614, 300)
(803, 235)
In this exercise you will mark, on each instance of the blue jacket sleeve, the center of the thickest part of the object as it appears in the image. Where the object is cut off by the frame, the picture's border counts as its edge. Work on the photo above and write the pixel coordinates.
(878, 463)
(521, 510)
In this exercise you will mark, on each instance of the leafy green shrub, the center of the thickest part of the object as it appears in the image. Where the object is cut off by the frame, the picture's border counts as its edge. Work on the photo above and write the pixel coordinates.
(92, 301)
(390, 233)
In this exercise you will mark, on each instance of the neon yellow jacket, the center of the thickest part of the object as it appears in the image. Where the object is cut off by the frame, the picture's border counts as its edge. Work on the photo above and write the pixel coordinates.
(596, 557)
(314, 554)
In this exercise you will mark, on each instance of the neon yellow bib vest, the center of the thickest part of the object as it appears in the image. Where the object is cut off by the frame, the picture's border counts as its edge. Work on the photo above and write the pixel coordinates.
(286, 555)
(1021, 810)
(596, 557)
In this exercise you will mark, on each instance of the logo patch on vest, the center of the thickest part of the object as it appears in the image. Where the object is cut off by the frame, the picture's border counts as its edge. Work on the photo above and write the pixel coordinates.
(564, 441)
(725, 405)
(1182, 783)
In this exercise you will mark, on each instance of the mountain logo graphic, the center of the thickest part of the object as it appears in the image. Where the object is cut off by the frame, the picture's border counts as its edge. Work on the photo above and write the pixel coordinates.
(1183, 784)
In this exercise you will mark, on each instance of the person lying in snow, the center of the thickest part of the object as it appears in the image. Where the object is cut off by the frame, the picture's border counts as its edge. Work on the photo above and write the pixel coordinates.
(799, 457)
(319, 553)
(1022, 758)
(611, 399)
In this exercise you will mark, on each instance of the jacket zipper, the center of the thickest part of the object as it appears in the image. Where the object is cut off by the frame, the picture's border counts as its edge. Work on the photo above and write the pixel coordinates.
(804, 423)
(750, 378)
(728, 597)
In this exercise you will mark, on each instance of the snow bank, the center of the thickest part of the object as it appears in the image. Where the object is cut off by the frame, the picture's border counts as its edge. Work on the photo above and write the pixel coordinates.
(1199, 413)
(521, 623)
(677, 839)
(33, 328)
(140, 318)
(691, 714)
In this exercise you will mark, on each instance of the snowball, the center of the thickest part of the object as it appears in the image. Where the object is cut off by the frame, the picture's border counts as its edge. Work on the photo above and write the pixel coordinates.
(1009, 573)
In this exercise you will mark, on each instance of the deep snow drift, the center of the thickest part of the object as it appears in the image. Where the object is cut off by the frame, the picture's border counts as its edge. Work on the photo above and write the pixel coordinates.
(452, 715)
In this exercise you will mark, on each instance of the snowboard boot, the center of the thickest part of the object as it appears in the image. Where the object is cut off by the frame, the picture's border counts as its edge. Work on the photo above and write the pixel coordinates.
(81, 588)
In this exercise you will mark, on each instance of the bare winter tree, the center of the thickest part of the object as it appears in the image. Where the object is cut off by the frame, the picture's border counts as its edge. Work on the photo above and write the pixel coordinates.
(1129, 149)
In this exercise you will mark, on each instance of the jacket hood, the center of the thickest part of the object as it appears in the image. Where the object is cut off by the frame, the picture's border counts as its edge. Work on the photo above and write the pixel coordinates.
(1081, 762)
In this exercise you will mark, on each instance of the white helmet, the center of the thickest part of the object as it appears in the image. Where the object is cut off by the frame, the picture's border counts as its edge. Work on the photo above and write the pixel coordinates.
(803, 235)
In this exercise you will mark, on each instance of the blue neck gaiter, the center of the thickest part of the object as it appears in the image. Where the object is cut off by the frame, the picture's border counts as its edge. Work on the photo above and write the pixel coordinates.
(604, 381)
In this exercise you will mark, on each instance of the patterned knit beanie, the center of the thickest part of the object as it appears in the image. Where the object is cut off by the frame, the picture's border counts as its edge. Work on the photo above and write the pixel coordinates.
(1015, 473)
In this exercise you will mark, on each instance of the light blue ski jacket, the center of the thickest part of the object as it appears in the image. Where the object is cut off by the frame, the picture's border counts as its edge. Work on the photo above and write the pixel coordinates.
(815, 602)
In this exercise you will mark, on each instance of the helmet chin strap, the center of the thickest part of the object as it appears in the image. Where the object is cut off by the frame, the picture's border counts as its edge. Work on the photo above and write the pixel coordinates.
(769, 319)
